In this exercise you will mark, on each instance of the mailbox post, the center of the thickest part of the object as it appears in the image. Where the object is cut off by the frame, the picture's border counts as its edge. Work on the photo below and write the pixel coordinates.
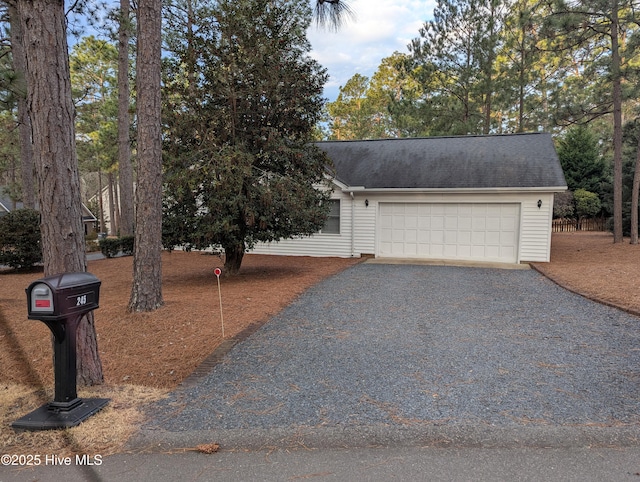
(60, 301)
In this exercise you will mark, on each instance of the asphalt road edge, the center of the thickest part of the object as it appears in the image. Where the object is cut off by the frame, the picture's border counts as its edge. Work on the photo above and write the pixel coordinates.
(459, 436)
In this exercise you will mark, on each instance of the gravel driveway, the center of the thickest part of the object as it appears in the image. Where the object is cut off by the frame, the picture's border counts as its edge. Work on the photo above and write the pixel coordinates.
(381, 350)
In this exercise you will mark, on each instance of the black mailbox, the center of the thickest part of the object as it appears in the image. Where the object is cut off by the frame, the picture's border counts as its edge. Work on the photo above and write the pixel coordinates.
(63, 295)
(60, 301)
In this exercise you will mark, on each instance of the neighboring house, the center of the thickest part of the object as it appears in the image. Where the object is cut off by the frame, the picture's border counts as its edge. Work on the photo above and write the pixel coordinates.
(106, 207)
(88, 219)
(479, 198)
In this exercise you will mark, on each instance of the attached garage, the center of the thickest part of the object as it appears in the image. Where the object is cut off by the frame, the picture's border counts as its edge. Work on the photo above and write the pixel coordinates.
(476, 198)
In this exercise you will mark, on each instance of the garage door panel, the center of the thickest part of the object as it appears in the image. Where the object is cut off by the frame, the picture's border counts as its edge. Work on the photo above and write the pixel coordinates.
(492, 238)
(450, 209)
(437, 237)
(508, 224)
(424, 222)
(451, 222)
(411, 249)
(465, 222)
(507, 238)
(386, 220)
(450, 251)
(494, 209)
(424, 209)
(464, 238)
(437, 222)
(411, 209)
(478, 238)
(511, 209)
(398, 208)
(397, 235)
(481, 231)
(492, 223)
(398, 222)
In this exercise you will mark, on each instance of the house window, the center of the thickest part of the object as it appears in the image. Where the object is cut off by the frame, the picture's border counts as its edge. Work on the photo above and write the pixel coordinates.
(332, 224)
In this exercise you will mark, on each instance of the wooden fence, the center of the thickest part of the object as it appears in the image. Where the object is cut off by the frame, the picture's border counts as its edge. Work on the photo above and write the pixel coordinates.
(569, 225)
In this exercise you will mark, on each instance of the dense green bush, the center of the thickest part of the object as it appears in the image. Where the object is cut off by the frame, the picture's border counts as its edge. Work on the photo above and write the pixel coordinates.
(20, 240)
(126, 245)
(111, 247)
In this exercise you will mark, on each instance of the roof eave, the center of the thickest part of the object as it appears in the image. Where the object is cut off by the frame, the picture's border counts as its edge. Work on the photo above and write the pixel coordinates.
(464, 190)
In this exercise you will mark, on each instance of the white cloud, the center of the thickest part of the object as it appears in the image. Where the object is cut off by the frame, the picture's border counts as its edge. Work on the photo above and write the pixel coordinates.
(379, 29)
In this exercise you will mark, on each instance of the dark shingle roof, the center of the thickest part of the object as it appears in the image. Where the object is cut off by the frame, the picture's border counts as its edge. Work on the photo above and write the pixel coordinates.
(494, 161)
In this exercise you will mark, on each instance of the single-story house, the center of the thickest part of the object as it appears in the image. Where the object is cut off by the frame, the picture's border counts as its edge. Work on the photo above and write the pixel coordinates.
(477, 198)
(88, 219)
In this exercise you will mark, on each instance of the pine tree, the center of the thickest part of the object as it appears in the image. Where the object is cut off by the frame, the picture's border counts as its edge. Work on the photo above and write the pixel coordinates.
(49, 97)
(240, 164)
(581, 161)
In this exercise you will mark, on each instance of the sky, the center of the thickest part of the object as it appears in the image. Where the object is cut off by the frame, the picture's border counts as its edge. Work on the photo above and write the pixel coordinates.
(379, 29)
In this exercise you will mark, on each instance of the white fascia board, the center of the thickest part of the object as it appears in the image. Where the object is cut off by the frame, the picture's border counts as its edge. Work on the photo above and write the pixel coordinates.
(342, 186)
(470, 190)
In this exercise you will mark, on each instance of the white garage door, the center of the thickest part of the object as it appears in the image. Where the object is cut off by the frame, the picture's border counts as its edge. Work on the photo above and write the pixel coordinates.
(465, 231)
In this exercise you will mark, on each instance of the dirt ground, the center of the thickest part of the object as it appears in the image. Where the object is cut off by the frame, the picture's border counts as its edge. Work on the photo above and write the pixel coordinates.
(145, 355)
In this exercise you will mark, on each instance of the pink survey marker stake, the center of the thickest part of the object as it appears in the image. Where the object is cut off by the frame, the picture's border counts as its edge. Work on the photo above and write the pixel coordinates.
(218, 272)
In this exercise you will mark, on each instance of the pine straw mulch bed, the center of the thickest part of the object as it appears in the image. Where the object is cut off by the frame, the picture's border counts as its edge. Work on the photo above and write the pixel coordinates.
(146, 355)
(588, 263)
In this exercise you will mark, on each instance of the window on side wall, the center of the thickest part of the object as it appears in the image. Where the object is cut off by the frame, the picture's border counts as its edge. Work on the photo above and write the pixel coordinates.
(332, 224)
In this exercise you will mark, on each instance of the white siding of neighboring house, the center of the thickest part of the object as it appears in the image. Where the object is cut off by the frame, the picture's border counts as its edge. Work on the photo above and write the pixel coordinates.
(106, 207)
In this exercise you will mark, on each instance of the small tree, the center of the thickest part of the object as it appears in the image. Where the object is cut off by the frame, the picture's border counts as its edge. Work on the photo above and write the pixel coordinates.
(563, 205)
(587, 204)
(20, 246)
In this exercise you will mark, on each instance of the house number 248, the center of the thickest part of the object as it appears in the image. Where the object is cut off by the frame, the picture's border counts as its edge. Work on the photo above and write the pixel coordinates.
(81, 300)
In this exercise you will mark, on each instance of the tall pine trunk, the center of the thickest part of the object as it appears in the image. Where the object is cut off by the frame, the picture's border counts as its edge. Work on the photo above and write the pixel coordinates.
(146, 290)
(52, 119)
(617, 125)
(125, 168)
(24, 123)
(635, 194)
